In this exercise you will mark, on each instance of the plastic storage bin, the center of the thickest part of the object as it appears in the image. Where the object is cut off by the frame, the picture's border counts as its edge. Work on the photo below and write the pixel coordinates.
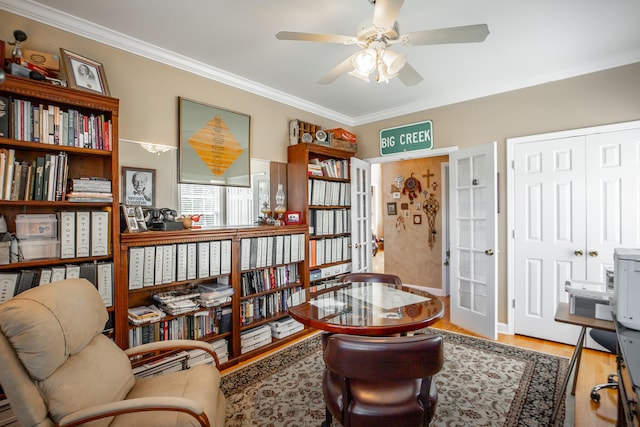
(39, 249)
(36, 226)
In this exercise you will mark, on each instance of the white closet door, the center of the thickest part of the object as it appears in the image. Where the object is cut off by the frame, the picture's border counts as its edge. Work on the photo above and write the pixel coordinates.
(576, 199)
(549, 232)
(613, 198)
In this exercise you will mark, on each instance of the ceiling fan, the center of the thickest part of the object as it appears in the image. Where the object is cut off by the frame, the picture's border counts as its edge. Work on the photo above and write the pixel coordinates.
(375, 37)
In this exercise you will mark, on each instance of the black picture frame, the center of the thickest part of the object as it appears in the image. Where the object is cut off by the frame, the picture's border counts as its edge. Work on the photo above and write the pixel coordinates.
(138, 186)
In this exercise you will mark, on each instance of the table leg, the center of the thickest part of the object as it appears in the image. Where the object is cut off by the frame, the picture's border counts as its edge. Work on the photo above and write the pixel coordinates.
(575, 361)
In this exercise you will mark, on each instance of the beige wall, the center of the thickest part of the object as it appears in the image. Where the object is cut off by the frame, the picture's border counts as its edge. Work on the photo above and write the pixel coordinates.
(407, 252)
(148, 93)
(611, 96)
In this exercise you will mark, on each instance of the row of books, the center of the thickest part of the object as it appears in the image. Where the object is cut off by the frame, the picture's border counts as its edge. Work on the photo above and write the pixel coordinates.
(51, 124)
(43, 178)
(264, 306)
(328, 193)
(332, 168)
(324, 222)
(326, 251)
(194, 326)
(255, 281)
(156, 265)
(260, 252)
(99, 274)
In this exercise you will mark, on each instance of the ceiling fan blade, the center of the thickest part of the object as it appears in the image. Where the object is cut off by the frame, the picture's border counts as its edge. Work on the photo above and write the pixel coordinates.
(385, 12)
(465, 34)
(311, 37)
(343, 67)
(409, 76)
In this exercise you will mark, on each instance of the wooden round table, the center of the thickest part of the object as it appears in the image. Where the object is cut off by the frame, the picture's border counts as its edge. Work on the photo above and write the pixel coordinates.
(366, 308)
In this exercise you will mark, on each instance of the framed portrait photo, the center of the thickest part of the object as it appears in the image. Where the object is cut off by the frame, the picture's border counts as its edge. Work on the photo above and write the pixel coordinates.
(138, 187)
(84, 73)
(392, 208)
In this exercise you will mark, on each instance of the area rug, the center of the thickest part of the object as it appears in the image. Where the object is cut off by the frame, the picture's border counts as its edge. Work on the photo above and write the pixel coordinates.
(482, 383)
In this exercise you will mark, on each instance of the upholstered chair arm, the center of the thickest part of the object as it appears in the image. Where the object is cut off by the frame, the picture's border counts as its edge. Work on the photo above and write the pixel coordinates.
(142, 404)
(173, 345)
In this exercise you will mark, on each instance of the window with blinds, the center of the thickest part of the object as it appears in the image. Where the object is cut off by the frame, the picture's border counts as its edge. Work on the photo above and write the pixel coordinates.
(219, 206)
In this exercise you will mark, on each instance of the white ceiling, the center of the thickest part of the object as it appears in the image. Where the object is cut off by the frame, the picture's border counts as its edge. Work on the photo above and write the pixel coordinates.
(233, 41)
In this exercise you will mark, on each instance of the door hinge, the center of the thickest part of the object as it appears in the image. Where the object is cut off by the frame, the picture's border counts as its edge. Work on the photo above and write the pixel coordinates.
(513, 164)
(513, 303)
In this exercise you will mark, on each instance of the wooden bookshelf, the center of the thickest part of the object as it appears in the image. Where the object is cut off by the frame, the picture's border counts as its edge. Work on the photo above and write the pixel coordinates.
(300, 198)
(25, 102)
(239, 323)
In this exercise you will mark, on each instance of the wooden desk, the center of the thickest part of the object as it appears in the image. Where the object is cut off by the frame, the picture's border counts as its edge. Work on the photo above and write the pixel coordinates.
(563, 315)
(368, 308)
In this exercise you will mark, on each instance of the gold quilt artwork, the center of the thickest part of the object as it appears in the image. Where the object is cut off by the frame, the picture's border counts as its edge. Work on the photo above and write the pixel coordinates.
(216, 146)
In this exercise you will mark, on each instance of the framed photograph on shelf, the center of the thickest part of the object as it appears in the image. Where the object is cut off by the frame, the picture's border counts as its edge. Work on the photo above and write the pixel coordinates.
(214, 145)
(84, 73)
(138, 186)
(134, 218)
(392, 208)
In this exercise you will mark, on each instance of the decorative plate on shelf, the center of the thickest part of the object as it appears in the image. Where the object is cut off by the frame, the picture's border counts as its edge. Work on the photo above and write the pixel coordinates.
(306, 137)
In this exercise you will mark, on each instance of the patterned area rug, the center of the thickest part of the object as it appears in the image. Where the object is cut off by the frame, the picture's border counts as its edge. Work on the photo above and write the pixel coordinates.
(482, 383)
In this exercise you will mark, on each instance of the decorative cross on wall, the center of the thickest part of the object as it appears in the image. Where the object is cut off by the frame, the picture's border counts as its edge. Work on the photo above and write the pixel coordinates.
(428, 176)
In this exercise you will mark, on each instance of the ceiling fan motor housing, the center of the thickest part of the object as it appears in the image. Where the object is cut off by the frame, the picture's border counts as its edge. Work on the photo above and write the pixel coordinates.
(367, 32)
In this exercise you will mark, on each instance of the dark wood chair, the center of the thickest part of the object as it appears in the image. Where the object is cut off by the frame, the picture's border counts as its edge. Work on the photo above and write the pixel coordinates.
(381, 381)
(372, 277)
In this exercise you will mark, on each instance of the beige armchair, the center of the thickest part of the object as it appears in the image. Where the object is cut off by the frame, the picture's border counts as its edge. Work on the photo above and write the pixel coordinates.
(58, 369)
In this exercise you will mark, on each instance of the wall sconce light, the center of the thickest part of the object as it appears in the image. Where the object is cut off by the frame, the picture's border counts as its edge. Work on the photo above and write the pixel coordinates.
(151, 147)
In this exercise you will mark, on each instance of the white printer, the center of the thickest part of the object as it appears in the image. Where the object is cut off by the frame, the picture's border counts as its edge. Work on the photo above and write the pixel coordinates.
(626, 284)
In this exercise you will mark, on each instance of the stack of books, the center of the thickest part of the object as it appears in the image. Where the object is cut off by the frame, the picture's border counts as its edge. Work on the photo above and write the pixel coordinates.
(91, 189)
(201, 357)
(214, 294)
(254, 338)
(180, 307)
(284, 327)
(145, 314)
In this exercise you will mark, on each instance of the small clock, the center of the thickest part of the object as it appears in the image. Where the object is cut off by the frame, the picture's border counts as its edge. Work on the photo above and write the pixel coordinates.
(321, 136)
(306, 137)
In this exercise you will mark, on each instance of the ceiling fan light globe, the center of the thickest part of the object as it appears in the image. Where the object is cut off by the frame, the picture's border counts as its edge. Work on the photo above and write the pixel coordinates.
(384, 75)
(365, 61)
(360, 75)
(394, 60)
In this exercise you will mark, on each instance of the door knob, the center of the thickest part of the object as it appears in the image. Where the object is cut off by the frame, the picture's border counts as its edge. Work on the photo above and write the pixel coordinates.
(489, 252)
(357, 245)
(593, 253)
(578, 252)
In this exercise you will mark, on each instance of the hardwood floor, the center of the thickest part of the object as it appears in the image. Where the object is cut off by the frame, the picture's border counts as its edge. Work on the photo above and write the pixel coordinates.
(595, 367)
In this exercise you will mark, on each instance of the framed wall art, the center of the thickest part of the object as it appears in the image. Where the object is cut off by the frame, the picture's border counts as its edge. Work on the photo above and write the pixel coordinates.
(138, 186)
(392, 208)
(214, 145)
(84, 73)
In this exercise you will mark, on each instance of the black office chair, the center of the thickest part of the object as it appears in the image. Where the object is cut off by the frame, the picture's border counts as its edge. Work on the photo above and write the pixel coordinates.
(608, 340)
